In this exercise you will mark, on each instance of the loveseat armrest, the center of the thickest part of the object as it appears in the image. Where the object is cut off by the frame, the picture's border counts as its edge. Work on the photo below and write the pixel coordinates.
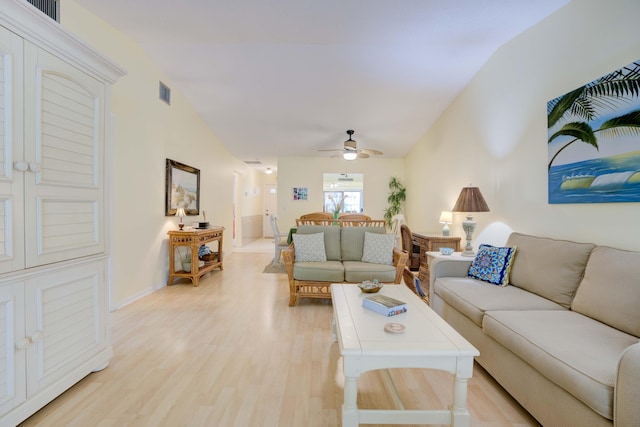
(626, 411)
(400, 259)
(289, 257)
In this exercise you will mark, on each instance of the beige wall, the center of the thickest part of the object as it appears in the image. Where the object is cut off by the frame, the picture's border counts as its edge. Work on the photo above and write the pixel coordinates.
(308, 172)
(146, 132)
(495, 133)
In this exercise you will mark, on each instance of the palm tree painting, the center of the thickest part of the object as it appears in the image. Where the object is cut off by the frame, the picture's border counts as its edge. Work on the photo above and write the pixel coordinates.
(594, 140)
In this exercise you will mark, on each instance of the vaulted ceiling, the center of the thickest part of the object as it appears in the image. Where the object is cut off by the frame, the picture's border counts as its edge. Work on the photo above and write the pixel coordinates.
(289, 77)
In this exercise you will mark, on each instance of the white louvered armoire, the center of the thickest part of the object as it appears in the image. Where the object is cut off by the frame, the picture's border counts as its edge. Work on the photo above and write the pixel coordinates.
(54, 210)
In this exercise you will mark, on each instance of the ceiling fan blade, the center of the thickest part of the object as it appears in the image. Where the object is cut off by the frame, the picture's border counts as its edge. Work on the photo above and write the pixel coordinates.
(362, 155)
(332, 149)
(371, 152)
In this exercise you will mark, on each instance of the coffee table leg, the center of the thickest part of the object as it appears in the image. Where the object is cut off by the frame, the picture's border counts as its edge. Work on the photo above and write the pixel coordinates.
(459, 413)
(350, 406)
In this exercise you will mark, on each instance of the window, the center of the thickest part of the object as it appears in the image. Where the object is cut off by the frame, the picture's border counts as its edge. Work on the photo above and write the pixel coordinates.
(343, 192)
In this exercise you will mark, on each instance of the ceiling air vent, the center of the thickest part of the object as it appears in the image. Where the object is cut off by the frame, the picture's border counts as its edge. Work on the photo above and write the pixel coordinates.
(253, 162)
(165, 93)
(48, 7)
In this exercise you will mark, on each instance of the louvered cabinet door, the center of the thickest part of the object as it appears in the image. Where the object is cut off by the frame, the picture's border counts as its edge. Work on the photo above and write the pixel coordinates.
(12, 347)
(66, 324)
(11, 142)
(64, 150)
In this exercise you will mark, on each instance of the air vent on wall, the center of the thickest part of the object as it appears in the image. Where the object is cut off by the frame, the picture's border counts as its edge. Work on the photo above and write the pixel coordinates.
(165, 93)
(48, 7)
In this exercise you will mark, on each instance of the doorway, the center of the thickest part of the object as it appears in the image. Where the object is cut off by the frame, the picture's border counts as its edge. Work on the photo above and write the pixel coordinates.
(270, 207)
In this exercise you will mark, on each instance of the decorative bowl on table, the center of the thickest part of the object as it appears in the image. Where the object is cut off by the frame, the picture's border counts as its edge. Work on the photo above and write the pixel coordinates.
(369, 287)
(446, 251)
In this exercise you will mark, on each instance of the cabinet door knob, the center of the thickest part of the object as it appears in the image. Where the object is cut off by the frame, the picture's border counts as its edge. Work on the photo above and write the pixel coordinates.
(37, 336)
(21, 166)
(34, 167)
(23, 343)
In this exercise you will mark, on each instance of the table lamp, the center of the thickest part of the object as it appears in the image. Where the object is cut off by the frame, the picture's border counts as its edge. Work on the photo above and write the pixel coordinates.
(446, 218)
(180, 213)
(470, 200)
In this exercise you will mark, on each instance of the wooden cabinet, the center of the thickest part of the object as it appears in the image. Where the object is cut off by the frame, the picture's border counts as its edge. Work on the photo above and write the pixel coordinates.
(193, 239)
(54, 100)
(431, 242)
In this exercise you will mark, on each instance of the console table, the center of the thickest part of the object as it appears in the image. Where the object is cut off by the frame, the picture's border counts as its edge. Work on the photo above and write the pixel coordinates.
(194, 239)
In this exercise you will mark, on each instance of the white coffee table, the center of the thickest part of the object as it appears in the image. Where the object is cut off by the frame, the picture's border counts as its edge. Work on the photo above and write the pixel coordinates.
(428, 342)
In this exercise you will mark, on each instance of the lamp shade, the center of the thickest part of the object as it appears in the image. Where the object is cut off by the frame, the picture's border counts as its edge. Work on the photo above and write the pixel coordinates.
(180, 212)
(471, 200)
(446, 217)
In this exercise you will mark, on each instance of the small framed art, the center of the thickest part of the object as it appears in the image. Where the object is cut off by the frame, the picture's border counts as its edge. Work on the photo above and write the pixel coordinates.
(300, 193)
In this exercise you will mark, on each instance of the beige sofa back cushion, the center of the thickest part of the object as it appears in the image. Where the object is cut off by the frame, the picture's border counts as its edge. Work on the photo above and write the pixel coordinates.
(352, 241)
(547, 267)
(331, 238)
(610, 290)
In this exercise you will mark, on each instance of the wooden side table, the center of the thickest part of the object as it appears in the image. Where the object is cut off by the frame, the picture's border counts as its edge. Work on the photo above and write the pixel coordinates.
(432, 242)
(194, 239)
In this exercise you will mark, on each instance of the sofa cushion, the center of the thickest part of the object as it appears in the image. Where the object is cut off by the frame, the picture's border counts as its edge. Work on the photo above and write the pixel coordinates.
(357, 271)
(378, 248)
(492, 264)
(575, 352)
(309, 247)
(329, 271)
(550, 268)
(473, 297)
(352, 241)
(331, 238)
(610, 290)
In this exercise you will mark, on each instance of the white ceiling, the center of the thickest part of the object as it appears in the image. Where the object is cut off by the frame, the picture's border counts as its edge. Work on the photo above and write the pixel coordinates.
(289, 77)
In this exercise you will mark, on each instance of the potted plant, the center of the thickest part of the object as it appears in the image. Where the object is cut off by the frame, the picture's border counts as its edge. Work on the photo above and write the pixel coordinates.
(184, 258)
(338, 202)
(397, 197)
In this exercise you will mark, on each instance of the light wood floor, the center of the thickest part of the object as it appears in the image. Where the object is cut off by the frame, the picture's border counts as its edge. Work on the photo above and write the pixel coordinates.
(232, 353)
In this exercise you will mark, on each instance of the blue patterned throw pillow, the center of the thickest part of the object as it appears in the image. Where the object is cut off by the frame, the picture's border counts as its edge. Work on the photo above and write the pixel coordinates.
(493, 264)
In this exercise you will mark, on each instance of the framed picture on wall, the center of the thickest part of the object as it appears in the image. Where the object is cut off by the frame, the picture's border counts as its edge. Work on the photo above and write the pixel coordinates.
(182, 188)
(594, 141)
(300, 193)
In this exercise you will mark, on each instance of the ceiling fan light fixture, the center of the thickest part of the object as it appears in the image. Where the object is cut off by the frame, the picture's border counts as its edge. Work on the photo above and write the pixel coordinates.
(350, 155)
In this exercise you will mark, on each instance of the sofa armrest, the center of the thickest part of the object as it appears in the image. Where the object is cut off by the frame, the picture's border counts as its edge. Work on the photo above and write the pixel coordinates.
(447, 267)
(400, 259)
(289, 257)
(626, 411)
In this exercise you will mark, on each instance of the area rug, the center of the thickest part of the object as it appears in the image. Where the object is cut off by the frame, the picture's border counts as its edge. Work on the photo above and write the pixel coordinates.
(275, 269)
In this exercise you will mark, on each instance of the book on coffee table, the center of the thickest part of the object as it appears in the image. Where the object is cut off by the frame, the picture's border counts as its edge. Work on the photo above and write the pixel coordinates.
(384, 305)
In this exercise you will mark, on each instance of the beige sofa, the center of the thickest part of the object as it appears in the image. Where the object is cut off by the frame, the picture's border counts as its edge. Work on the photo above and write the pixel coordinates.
(344, 247)
(562, 338)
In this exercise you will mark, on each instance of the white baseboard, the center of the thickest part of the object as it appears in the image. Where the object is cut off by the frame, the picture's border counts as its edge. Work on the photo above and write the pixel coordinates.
(136, 297)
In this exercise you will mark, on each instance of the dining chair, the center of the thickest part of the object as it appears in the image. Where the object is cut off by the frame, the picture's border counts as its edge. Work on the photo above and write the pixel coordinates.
(410, 248)
(280, 239)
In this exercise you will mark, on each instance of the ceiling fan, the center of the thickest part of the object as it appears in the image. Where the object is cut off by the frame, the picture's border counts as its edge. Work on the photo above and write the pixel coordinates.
(351, 151)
